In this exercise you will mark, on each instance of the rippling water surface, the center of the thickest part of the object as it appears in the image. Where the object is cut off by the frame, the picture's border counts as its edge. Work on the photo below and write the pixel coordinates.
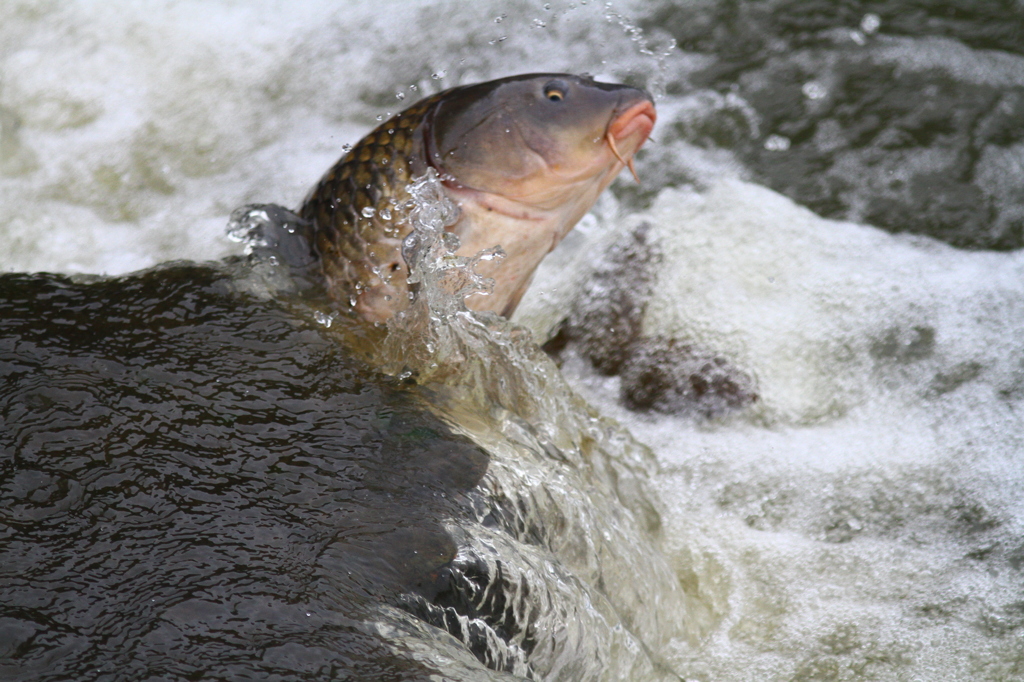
(808, 317)
(195, 482)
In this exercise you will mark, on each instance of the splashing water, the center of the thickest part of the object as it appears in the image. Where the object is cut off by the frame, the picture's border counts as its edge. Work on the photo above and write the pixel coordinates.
(564, 525)
(580, 567)
(421, 339)
(660, 53)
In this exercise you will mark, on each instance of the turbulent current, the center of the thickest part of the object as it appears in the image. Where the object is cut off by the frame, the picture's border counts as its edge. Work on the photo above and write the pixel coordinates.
(203, 478)
(758, 419)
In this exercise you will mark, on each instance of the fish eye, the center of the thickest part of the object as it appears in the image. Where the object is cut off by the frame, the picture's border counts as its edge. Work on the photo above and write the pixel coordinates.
(555, 91)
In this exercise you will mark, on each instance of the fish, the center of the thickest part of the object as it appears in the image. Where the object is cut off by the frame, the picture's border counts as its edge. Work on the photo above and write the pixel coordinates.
(523, 158)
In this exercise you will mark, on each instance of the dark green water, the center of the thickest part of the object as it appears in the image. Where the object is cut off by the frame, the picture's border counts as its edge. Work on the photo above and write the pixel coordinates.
(197, 484)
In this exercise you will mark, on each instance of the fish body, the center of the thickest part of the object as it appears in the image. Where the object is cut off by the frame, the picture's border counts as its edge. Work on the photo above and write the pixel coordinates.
(523, 158)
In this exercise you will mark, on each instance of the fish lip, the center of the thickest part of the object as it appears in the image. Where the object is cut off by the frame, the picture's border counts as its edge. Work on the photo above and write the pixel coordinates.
(639, 117)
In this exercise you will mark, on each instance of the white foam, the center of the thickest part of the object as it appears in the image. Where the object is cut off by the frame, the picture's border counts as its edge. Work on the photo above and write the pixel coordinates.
(153, 122)
(826, 313)
(159, 118)
(866, 508)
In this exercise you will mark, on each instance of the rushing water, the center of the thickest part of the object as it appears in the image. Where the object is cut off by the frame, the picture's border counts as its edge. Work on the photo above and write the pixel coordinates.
(832, 404)
(201, 478)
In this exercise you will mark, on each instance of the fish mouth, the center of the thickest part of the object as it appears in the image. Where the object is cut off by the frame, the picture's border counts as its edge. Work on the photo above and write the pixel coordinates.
(629, 130)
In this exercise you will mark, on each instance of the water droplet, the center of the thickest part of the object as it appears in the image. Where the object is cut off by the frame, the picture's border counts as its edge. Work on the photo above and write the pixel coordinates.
(547, 6)
(439, 75)
(324, 318)
(814, 90)
(346, 148)
(414, 87)
(870, 23)
(400, 95)
(500, 18)
(777, 143)
(380, 117)
(368, 211)
(537, 23)
(385, 214)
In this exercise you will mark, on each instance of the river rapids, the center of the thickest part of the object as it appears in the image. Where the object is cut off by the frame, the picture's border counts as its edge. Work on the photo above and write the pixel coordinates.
(759, 418)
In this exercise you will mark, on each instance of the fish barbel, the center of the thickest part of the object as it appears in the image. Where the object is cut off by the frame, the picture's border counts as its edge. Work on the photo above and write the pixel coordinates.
(523, 158)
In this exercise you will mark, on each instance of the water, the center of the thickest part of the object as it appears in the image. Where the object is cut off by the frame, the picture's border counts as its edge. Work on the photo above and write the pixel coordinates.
(859, 520)
(232, 493)
(862, 518)
(175, 507)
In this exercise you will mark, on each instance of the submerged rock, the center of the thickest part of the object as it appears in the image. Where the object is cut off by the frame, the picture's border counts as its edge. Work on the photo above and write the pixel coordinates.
(905, 148)
(893, 113)
(657, 373)
(667, 376)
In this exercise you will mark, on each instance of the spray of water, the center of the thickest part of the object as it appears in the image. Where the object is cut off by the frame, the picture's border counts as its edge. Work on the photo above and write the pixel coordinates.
(566, 521)
(420, 339)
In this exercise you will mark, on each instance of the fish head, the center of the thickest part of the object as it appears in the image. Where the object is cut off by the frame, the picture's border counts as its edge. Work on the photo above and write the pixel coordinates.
(542, 140)
(525, 158)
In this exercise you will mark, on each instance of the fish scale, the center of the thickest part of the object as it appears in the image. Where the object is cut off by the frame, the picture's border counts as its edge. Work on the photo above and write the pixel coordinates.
(374, 174)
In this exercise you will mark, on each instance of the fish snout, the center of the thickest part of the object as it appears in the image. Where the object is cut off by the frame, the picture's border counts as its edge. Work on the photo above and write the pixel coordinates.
(636, 120)
(630, 129)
